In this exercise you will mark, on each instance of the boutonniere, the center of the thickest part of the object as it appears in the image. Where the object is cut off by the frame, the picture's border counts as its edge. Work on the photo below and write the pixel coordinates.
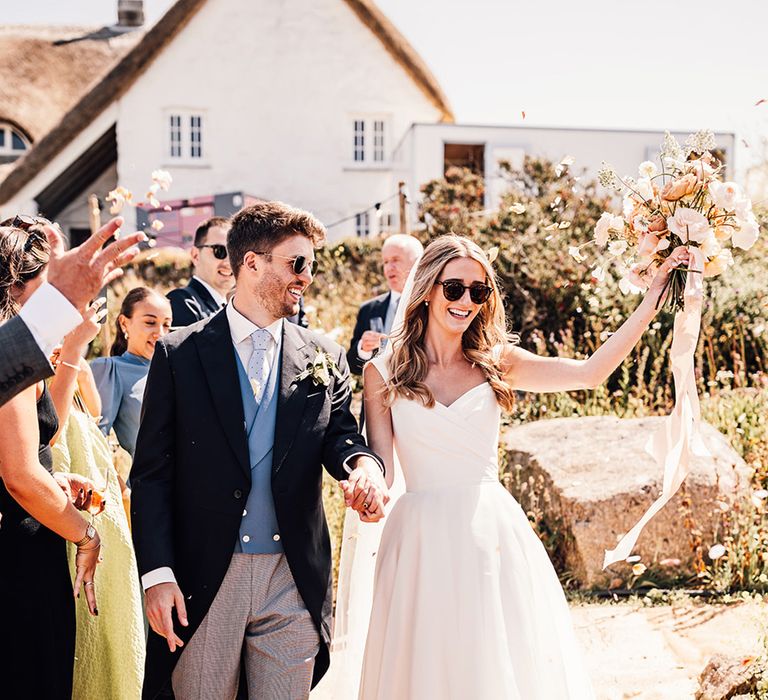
(320, 369)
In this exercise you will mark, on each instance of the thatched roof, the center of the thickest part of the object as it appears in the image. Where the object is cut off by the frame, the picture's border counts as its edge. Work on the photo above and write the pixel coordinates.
(44, 71)
(140, 57)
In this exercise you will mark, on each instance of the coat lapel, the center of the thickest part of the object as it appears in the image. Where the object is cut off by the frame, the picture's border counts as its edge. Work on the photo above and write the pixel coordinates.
(206, 300)
(293, 394)
(217, 355)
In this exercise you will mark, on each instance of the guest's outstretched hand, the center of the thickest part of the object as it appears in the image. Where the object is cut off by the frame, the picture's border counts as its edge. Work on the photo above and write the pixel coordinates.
(81, 272)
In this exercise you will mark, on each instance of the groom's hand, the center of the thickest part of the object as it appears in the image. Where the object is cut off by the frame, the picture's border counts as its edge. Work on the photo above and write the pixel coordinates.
(160, 601)
(366, 491)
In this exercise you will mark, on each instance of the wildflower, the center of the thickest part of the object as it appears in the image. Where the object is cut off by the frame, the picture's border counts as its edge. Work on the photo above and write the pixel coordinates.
(716, 551)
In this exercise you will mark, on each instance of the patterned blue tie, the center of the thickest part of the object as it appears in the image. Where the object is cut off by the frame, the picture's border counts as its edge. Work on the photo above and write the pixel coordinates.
(258, 365)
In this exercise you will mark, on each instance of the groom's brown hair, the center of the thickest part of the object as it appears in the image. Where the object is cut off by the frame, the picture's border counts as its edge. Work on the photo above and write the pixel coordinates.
(261, 226)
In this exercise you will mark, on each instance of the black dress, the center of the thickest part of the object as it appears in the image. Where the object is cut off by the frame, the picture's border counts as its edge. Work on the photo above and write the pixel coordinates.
(37, 611)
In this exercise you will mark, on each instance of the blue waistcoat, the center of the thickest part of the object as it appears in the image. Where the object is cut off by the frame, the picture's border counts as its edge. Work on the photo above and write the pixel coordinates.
(259, 533)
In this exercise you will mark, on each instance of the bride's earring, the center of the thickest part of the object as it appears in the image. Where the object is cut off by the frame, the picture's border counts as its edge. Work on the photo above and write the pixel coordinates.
(426, 303)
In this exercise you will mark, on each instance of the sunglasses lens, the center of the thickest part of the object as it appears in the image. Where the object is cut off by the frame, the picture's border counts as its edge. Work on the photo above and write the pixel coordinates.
(219, 251)
(453, 290)
(479, 293)
(300, 264)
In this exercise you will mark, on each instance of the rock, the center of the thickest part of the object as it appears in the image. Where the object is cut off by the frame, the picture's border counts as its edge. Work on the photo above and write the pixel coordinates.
(589, 480)
(729, 678)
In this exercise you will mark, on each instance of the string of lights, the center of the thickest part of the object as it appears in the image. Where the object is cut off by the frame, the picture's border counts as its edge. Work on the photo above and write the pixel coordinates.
(376, 206)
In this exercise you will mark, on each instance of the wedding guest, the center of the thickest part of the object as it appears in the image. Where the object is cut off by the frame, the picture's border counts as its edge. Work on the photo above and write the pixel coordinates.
(374, 319)
(109, 650)
(73, 279)
(145, 317)
(40, 512)
(212, 280)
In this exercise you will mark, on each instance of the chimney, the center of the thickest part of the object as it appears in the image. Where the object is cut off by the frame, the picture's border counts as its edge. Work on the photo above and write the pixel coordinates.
(130, 13)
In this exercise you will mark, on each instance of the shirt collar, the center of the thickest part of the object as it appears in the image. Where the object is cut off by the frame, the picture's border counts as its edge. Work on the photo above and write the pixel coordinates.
(241, 328)
(394, 296)
(217, 297)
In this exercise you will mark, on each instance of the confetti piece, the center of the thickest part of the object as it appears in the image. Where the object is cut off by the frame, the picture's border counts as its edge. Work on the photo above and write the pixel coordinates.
(523, 113)
(638, 569)
(517, 208)
(167, 207)
(157, 225)
(759, 102)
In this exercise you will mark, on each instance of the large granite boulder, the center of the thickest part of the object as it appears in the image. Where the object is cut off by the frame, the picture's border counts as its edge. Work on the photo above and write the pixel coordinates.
(730, 678)
(590, 479)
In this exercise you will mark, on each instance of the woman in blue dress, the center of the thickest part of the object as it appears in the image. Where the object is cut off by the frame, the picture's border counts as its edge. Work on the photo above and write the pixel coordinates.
(145, 316)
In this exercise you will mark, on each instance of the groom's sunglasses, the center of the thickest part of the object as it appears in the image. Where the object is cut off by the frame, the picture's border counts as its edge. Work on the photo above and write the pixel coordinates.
(219, 250)
(299, 263)
(453, 290)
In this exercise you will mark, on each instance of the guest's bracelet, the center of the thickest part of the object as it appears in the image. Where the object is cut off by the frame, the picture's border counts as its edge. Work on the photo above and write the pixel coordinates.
(69, 364)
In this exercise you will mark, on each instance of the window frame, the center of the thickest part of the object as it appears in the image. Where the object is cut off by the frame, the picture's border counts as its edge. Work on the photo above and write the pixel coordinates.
(367, 141)
(189, 134)
(7, 149)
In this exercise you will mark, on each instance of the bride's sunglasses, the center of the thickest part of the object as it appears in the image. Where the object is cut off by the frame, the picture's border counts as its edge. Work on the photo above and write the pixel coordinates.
(298, 264)
(453, 290)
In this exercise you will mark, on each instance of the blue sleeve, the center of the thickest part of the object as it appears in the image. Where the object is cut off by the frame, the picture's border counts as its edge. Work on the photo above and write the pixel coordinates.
(110, 389)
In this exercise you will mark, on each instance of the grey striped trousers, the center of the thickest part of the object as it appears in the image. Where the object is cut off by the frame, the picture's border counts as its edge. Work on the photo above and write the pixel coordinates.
(258, 619)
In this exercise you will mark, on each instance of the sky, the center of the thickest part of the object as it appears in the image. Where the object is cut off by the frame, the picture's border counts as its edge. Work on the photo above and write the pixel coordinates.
(657, 64)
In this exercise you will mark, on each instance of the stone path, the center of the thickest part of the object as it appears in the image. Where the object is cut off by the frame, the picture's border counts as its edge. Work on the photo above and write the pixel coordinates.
(655, 653)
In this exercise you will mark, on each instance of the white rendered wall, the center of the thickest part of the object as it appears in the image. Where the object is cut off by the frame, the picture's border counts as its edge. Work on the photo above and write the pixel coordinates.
(278, 83)
(421, 153)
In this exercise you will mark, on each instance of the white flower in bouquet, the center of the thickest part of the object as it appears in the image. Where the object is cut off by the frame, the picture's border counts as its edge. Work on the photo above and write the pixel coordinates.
(648, 169)
(710, 245)
(724, 194)
(689, 225)
(607, 224)
(743, 208)
(719, 264)
(645, 188)
(745, 236)
(617, 248)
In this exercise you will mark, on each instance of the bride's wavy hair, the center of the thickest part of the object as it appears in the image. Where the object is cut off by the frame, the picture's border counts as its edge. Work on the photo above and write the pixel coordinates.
(481, 342)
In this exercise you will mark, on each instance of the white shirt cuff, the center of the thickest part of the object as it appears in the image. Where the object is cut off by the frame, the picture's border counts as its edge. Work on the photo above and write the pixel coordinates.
(49, 317)
(349, 469)
(162, 575)
(363, 354)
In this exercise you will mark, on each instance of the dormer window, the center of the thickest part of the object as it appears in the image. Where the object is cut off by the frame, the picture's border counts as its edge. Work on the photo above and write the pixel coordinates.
(12, 143)
(185, 137)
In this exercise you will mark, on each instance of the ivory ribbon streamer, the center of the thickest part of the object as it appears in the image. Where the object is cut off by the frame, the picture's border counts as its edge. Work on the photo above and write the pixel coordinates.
(679, 437)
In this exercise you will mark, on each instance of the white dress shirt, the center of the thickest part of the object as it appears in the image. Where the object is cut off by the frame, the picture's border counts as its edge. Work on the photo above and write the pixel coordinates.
(217, 297)
(240, 329)
(49, 316)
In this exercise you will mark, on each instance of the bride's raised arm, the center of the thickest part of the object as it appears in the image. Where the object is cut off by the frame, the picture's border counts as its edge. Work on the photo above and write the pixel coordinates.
(378, 420)
(527, 371)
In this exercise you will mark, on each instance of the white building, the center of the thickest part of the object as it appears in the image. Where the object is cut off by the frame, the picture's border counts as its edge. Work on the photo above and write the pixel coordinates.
(320, 103)
(299, 100)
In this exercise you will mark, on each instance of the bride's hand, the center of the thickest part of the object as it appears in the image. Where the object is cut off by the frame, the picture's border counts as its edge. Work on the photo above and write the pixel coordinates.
(679, 257)
(368, 516)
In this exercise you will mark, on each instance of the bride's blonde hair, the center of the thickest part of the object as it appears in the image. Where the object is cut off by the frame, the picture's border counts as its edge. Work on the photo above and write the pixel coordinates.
(482, 341)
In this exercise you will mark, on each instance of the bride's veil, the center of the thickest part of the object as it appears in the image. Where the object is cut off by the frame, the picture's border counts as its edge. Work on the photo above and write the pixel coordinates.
(357, 565)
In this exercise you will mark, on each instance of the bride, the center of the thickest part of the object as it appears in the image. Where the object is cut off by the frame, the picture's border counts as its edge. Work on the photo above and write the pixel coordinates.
(466, 603)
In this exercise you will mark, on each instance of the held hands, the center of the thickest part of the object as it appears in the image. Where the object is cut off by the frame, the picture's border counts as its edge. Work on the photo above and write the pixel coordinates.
(160, 601)
(365, 491)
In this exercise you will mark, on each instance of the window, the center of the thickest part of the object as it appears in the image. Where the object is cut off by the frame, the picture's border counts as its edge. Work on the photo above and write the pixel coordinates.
(12, 143)
(362, 225)
(185, 136)
(378, 141)
(359, 140)
(369, 140)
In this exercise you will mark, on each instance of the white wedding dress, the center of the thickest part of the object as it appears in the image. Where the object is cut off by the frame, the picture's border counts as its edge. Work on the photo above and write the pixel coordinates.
(466, 603)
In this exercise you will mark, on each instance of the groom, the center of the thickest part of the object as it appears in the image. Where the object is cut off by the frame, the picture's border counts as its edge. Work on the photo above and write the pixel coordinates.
(228, 521)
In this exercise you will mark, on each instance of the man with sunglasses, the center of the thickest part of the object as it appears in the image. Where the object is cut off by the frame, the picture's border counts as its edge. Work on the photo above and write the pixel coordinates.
(241, 413)
(212, 280)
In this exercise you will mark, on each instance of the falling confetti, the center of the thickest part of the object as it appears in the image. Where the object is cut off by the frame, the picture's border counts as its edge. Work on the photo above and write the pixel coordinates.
(157, 225)
(759, 102)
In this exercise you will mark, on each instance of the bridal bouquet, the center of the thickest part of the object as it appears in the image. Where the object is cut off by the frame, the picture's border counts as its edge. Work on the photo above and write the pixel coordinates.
(682, 202)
